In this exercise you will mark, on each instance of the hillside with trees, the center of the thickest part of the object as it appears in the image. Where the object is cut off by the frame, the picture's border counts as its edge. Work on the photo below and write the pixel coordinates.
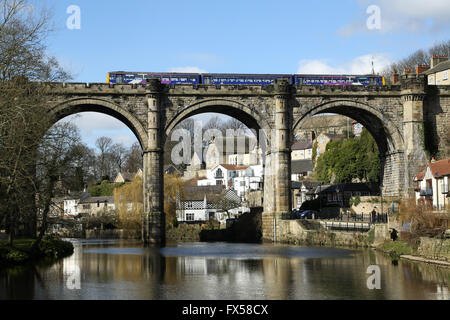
(350, 159)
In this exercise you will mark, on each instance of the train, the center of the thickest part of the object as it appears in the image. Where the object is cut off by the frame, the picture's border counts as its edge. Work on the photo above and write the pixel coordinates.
(122, 77)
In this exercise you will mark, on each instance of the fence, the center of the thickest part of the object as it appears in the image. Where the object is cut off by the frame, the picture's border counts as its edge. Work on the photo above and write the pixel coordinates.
(346, 226)
(351, 217)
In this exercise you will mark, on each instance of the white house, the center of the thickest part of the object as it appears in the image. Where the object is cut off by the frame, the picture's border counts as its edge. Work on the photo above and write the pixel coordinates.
(195, 209)
(432, 184)
(221, 175)
(71, 203)
(250, 179)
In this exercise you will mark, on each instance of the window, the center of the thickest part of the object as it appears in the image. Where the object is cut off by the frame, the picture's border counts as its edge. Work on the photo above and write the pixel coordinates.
(242, 183)
(430, 80)
(190, 217)
(445, 75)
(219, 173)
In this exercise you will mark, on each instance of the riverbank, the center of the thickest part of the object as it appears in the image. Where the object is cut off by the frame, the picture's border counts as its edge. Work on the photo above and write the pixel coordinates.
(310, 233)
(22, 251)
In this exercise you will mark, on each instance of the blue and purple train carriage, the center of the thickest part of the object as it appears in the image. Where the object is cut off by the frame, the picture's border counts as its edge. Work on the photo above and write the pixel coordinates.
(244, 79)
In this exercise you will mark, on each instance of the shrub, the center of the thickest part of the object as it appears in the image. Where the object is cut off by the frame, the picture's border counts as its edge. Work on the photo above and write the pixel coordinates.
(55, 248)
(16, 256)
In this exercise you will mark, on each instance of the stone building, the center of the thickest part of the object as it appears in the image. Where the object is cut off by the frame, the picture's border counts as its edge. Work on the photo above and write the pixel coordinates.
(96, 206)
(301, 169)
(302, 150)
(124, 177)
(438, 73)
(323, 140)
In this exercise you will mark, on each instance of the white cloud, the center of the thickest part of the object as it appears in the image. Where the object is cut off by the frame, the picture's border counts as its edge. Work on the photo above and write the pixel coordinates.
(411, 16)
(188, 69)
(359, 65)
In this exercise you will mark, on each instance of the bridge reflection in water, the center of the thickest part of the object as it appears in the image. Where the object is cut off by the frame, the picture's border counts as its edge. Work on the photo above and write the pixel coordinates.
(126, 270)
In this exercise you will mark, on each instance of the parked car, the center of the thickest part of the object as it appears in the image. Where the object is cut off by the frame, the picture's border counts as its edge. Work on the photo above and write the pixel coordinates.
(308, 214)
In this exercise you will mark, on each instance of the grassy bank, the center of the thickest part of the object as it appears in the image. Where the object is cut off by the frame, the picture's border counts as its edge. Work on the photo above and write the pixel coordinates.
(23, 252)
(395, 249)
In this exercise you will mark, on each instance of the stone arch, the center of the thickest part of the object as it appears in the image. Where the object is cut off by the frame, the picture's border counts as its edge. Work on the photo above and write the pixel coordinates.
(386, 134)
(388, 137)
(74, 106)
(250, 117)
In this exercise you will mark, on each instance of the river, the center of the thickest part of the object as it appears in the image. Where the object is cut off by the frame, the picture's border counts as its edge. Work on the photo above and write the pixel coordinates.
(113, 269)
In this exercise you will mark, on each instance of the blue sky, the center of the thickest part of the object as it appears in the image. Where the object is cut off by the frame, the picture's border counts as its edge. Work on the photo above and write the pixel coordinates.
(246, 36)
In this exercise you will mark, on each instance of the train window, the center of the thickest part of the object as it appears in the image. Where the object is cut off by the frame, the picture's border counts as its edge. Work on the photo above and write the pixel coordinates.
(166, 79)
(184, 79)
(119, 79)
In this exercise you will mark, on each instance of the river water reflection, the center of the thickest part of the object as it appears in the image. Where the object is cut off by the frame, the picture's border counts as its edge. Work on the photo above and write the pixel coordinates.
(110, 269)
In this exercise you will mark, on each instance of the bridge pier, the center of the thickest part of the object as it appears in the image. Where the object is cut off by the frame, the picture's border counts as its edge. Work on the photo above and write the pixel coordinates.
(153, 220)
(413, 93)
(277, 184)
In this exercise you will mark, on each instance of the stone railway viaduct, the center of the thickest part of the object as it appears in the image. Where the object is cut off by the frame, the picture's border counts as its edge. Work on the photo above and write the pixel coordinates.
(399, 117)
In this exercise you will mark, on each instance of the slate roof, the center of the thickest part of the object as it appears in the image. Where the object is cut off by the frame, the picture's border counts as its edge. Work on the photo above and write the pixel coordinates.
(302, 145)
(362, 187)
(300, 166)
(440, 67)
(98, 199)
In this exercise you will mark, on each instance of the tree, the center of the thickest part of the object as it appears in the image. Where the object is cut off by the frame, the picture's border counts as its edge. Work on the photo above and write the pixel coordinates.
(349, 159)
(225, 204)
(173, 193)
(213, 123)
(133, 161)
(419, 57)
(55, 155)
(189, 125)
(23, 31)
(234, 124)
(118, 154)
(23, 57)
(129, 204)
(104, 159)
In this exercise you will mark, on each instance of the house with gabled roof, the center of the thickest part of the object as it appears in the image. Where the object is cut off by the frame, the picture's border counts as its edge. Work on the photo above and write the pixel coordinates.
(125, 177)
(432, 184)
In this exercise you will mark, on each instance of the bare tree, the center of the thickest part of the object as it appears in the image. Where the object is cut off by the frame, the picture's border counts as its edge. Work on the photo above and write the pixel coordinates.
(56, 153)
(23, 30)
(418, 57)
(104, 146)
(213, 123)
(188, 125)
(119, 154)
(234, 124)
(133, 160)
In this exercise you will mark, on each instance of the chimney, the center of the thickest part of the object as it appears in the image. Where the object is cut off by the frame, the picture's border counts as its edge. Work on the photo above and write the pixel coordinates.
(421, 68)
(435, 60)
(407, 70)
(395, 77)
